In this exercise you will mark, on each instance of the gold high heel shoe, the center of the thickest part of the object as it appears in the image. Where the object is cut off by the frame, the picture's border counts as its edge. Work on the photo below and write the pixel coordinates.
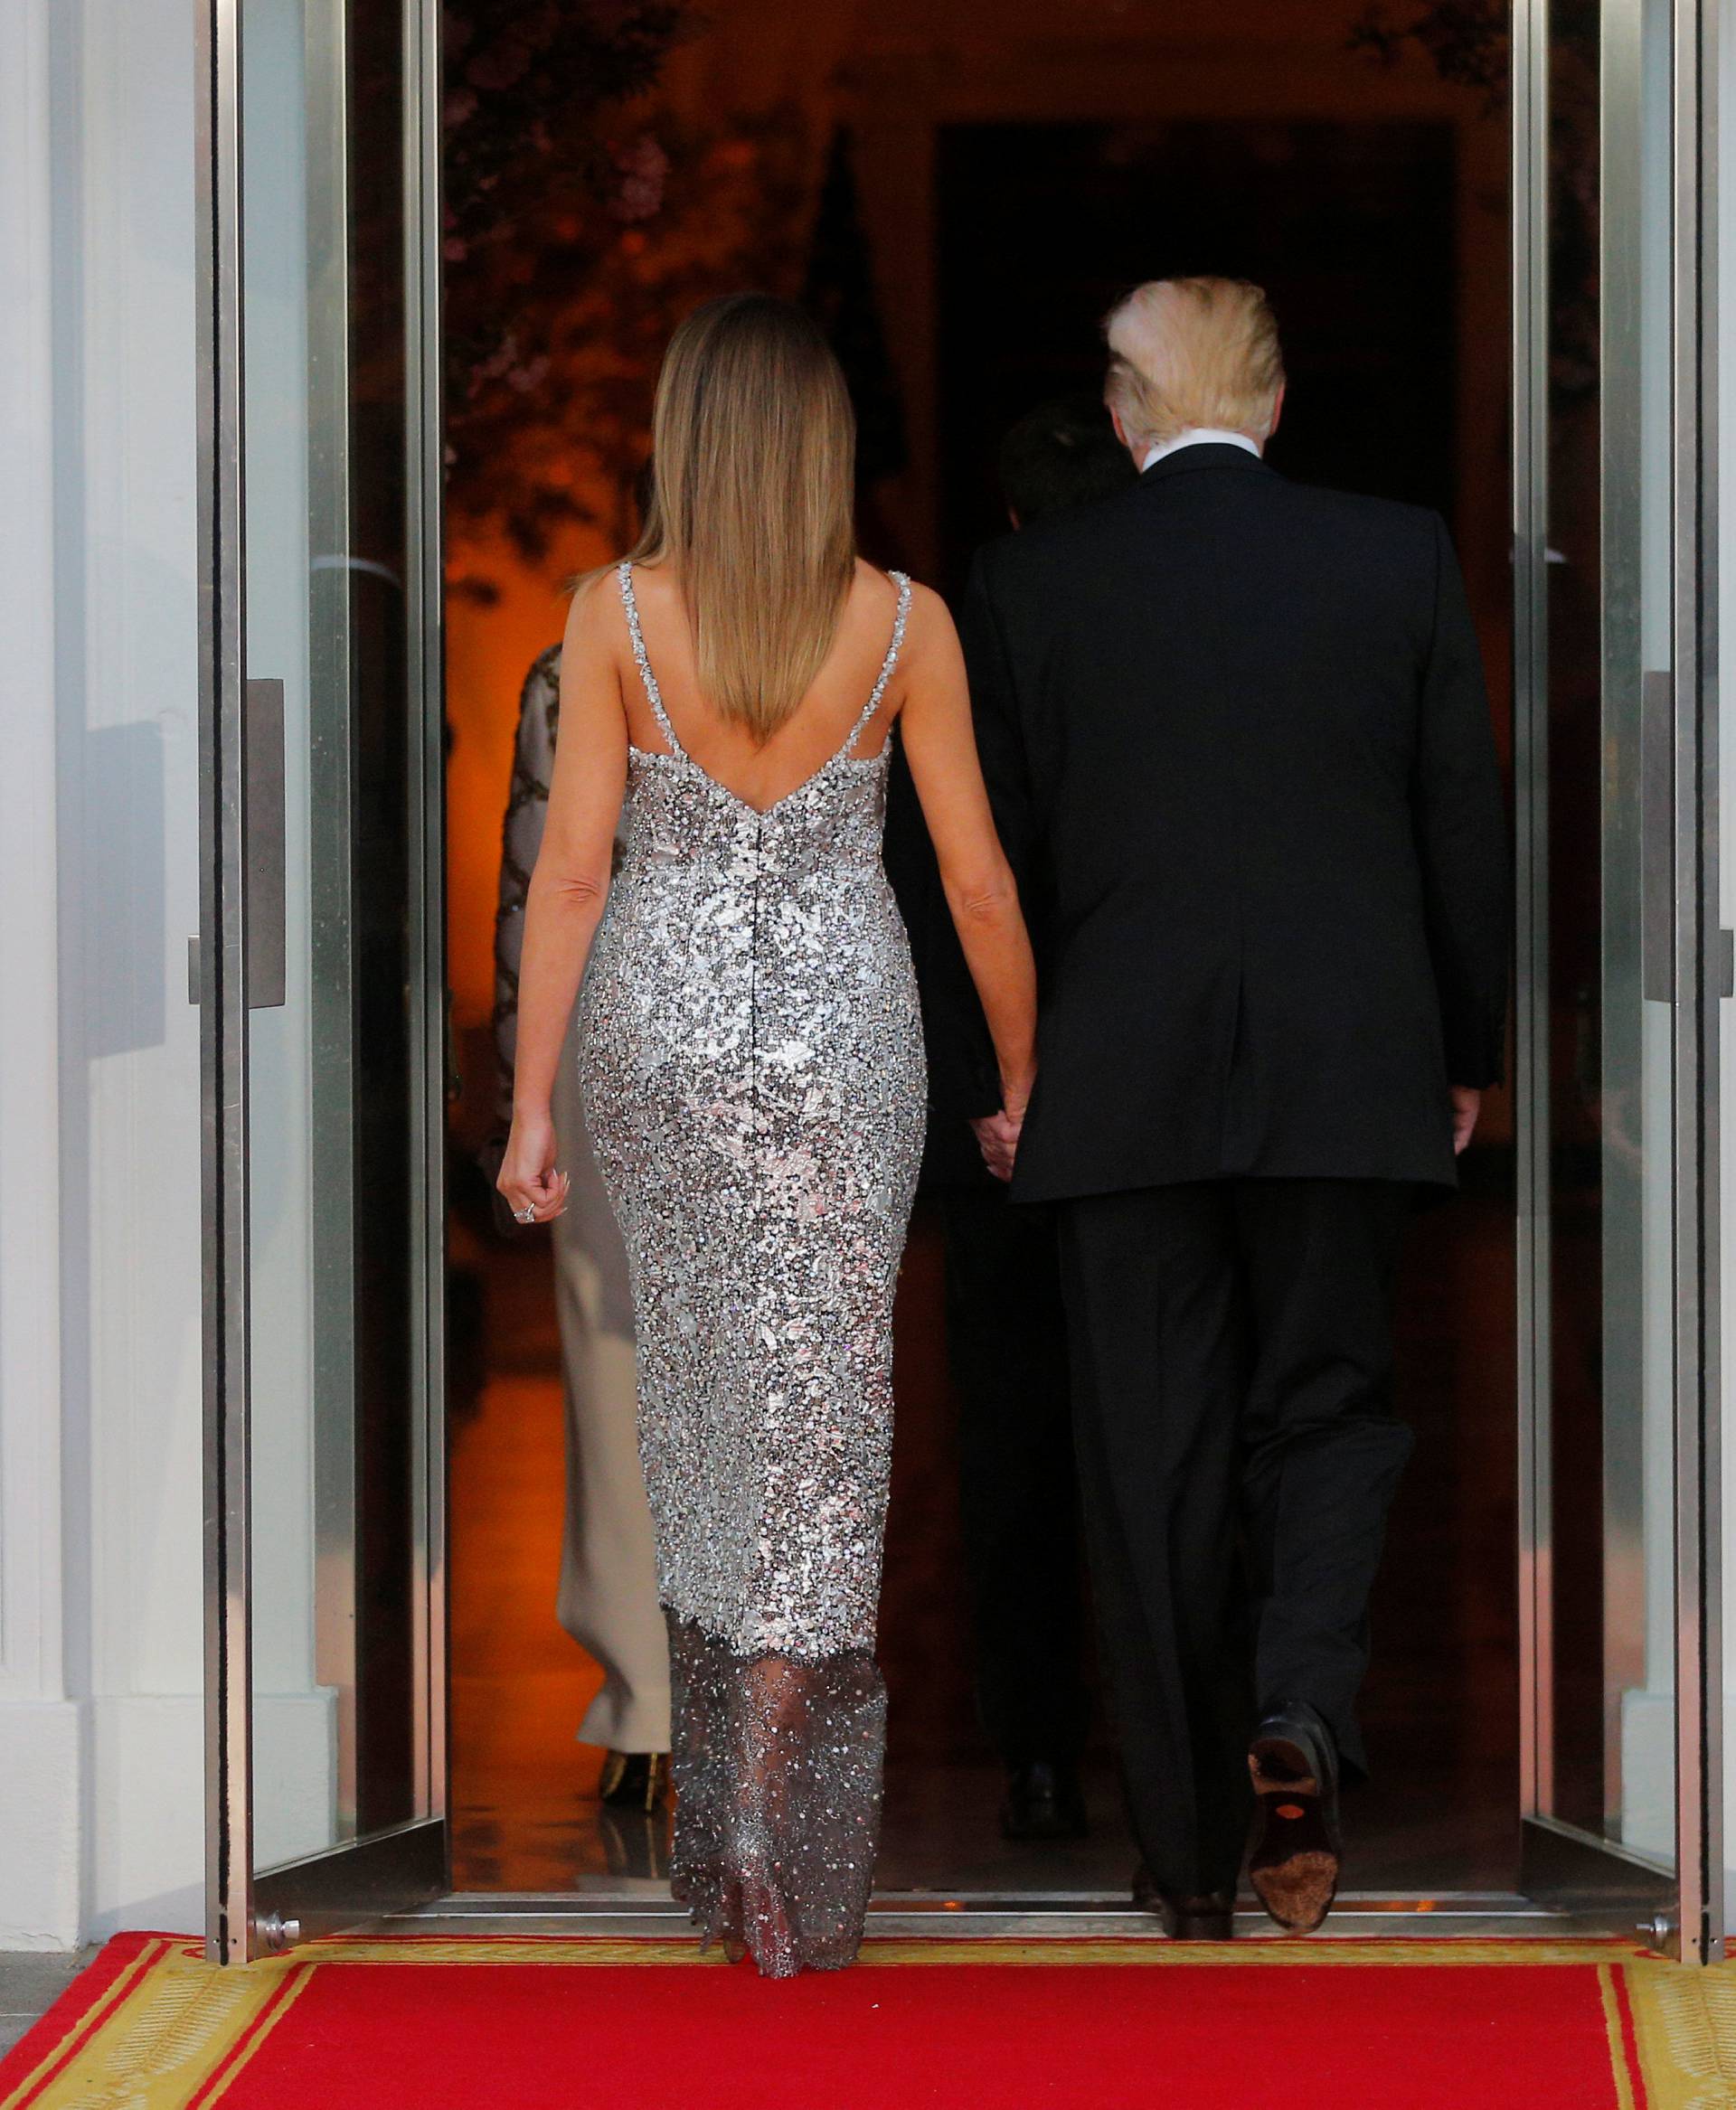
(635, 1780)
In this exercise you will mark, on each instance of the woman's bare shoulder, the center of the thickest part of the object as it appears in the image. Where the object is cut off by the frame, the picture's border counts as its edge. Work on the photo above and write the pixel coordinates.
(879, 589)
(928, 634)
(593, 613)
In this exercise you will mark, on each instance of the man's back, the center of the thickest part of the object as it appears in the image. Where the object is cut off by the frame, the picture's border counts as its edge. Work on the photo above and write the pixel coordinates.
(1238, 744)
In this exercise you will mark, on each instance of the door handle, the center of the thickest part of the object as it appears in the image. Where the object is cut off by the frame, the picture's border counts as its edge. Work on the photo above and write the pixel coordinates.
(1657, 836)
(267, 945)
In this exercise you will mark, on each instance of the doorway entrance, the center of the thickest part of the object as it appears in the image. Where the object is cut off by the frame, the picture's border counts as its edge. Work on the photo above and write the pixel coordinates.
(972, 192)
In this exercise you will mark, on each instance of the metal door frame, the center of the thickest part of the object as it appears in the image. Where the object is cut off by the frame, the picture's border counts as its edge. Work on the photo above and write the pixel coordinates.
(247, 1914)
(1683, 1911)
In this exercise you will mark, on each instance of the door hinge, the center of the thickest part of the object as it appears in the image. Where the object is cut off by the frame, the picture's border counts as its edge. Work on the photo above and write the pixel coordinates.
(275, 1934)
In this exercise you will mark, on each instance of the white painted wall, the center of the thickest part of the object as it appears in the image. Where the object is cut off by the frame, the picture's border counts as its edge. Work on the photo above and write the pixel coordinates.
(101, 1628)
(39, 1728)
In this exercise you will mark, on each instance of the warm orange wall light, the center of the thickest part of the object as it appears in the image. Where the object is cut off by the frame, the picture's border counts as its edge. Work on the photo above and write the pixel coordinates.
(490, 646)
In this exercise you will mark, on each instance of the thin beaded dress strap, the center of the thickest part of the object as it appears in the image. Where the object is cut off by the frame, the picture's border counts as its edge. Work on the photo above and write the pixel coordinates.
(902, 578)
(654, 695)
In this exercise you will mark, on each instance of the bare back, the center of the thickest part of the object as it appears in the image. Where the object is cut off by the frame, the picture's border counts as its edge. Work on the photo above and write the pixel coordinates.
(610, 739)
(759, 776)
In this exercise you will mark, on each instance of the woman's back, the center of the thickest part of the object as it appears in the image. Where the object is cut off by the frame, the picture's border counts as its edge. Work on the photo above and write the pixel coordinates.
(761, 772)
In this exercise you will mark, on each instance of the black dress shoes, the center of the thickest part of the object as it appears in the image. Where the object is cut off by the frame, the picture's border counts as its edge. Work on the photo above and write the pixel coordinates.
(1294, 1865)
(1208, 1918)
(1042, 1802)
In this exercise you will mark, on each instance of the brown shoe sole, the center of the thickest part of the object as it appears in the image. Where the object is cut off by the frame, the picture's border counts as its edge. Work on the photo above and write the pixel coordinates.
(1294, 1869)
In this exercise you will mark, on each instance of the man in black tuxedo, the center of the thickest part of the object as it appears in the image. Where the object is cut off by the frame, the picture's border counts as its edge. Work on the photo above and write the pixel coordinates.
(1239, 746)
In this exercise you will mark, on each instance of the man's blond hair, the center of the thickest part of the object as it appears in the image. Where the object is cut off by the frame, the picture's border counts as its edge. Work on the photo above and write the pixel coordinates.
(1191, 353)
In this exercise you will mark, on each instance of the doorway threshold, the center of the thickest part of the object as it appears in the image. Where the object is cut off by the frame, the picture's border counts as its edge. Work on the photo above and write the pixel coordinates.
(630, 1910)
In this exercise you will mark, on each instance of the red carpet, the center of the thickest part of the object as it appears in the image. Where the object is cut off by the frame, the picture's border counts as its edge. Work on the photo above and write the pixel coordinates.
(417, 2024)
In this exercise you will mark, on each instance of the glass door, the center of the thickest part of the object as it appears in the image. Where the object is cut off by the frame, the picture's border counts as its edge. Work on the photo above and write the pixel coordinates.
(1617, 1004)
(320, 970)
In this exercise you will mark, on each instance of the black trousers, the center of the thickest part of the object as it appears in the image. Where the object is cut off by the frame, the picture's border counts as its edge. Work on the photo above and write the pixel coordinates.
(1018, 1493)
(1232, 1379)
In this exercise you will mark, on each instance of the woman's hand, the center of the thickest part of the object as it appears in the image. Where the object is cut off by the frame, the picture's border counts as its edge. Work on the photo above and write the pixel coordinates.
(527, 1175)
(997, 1134)
(997, 1138)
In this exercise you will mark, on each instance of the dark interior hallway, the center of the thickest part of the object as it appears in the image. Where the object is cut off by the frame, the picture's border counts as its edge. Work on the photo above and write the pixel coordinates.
(1439, 1815)
(963, 189)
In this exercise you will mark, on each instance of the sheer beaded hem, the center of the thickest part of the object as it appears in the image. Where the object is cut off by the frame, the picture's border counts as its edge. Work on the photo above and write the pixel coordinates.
(778, 1767)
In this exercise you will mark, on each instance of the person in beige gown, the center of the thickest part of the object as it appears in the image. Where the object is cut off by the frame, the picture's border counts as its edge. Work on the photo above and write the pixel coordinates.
(608, 1593)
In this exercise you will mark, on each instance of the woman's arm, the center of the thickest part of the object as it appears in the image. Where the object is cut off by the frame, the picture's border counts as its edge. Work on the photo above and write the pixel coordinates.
(567, 892)
(941, 749)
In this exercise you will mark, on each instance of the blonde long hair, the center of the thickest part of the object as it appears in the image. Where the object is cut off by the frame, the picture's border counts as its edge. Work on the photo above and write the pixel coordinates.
(753, 446)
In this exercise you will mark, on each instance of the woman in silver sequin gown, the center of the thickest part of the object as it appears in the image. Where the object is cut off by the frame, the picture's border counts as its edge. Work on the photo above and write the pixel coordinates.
(751, 1061)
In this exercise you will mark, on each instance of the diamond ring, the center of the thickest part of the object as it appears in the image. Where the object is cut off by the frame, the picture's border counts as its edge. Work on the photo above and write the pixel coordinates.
(527, 1215)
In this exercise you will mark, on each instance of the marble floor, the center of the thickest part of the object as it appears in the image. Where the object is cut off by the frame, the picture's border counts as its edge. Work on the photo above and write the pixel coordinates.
(30, 1984)
(941, 1840)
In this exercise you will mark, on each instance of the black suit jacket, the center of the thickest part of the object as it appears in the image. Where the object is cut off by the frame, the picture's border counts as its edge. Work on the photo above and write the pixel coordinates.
(1238, 743)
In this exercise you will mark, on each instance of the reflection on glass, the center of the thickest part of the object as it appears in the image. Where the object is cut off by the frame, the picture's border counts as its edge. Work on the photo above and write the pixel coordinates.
(1610, 1102)
(335, 1094)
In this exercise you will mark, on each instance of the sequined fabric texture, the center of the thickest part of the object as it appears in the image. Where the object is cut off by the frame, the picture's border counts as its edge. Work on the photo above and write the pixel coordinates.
(751, 1058)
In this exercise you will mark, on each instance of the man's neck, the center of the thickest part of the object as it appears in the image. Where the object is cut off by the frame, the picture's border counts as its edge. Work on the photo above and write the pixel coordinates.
(1198, 436)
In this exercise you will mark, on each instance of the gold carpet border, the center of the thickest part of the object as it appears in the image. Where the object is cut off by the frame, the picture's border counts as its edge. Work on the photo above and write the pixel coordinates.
(1615, 2036)
(1685, 2026)
(176, 2022)
(92, 2020)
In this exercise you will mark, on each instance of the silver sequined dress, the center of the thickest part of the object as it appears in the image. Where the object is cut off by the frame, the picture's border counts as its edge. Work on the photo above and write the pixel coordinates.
(751, 1058)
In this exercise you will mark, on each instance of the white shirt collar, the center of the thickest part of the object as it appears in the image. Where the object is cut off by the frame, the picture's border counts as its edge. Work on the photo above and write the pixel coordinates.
(1199, 435)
